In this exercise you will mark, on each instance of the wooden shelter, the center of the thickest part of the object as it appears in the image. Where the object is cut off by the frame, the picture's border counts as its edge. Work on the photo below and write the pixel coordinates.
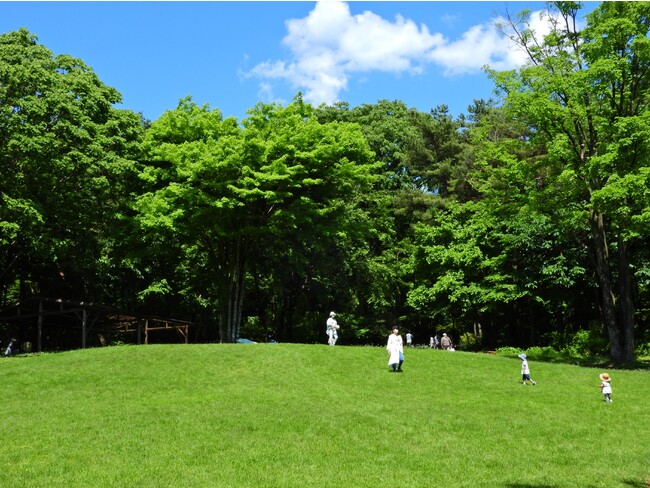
(36, 321)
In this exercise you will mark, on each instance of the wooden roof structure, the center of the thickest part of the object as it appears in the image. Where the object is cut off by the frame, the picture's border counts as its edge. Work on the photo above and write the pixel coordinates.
(30, 316)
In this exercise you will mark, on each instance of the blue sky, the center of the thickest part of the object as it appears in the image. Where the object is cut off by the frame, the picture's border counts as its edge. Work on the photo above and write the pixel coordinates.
(232, 55)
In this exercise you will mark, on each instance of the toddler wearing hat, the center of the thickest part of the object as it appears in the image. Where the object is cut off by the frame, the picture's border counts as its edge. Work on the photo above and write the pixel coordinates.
(525, 370)
(606, 387)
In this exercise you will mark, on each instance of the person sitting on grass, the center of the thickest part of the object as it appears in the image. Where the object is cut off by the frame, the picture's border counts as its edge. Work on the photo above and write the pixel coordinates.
(525, 370)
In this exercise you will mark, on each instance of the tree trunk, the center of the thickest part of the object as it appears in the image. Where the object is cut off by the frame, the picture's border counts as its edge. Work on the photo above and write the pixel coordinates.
(223, 328)
(608, 306)
(230, 316)
(236, 291)
(626, 300)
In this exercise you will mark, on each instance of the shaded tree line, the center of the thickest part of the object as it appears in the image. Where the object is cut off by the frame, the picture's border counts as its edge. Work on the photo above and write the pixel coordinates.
(522, 222)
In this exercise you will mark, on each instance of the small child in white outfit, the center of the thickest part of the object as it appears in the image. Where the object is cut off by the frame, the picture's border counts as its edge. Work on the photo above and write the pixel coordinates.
(606, 387)
(525, 370)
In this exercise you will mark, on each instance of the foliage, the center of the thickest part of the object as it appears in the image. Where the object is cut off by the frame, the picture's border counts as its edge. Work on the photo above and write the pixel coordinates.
(583, 95)
(524, 222)
(65, 153)
(269, 206)
(585, 347)
(469, 342)
(508, 351)
(643, 350)
(587, 343)
(546, 353)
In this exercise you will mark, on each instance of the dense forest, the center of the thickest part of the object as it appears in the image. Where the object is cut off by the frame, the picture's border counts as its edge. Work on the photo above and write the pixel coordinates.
(525, 221)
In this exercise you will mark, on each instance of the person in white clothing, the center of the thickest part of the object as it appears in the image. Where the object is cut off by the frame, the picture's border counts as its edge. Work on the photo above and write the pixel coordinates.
(525, 370)
(332, 329)
(395, 348)
(606, 387)
(409, 339)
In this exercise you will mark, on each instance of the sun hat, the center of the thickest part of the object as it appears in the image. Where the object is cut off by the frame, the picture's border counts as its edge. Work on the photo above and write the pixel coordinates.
(604, 377)
(522, 356)
(332, 314)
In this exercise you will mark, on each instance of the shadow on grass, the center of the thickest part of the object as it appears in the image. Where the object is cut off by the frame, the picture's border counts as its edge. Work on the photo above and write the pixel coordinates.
(540, 485)
(632, 483)
(637, 483)
(601, 363)
(550, 356)
(529, 485)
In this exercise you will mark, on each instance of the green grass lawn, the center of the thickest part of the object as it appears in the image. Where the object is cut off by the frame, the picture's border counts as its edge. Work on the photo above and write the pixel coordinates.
(288, 415)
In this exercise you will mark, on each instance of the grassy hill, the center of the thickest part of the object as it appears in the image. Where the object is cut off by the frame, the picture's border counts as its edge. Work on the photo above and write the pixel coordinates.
(288, 415)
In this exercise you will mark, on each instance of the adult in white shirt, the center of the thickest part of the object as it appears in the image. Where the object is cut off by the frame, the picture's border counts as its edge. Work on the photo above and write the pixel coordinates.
(332, 328)
(395, 348)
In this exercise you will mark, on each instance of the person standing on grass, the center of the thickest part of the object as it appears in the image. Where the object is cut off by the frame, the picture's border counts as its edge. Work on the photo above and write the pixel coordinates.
(445, 342)
(431, 342)
(606, 387)
(332, 329)
(525, 370)
(395, 348)
(409, 339)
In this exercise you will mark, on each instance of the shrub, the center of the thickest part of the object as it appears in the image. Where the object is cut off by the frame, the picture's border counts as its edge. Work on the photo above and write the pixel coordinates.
(469, 342)
(587, 343)
(543, 353)
(643, 350)
(509, 351)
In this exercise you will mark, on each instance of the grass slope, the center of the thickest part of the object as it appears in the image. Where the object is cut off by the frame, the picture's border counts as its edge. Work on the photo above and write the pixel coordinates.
(287, 415)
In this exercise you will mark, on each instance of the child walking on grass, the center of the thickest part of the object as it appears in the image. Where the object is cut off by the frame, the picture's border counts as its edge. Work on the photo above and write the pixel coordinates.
(606, 387)
(525, 370)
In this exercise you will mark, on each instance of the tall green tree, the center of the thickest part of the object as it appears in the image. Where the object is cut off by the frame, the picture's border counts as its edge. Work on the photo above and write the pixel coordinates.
(280, 181)
(65, 152)
(585, 96)
(419, 153)
(484, 265)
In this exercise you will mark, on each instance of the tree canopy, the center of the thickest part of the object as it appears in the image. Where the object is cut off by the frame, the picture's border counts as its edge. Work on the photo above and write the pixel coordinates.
(65, 153)
(523, 222)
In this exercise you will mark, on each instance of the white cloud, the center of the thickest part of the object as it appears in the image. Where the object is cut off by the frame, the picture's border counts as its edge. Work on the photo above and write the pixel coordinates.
(479, 46)
(265, 92)
(330, 45)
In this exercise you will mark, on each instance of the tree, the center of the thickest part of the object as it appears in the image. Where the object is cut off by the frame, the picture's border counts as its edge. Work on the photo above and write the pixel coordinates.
(65, 152)
(585, 96)
(419, 154)
(281, 181)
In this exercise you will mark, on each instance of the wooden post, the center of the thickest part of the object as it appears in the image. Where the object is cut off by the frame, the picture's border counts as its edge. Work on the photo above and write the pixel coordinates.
(146, 331)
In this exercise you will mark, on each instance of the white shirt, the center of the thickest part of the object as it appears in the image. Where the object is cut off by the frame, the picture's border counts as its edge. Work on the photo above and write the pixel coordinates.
(607, 388)
(394, 347)
(331, 323)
